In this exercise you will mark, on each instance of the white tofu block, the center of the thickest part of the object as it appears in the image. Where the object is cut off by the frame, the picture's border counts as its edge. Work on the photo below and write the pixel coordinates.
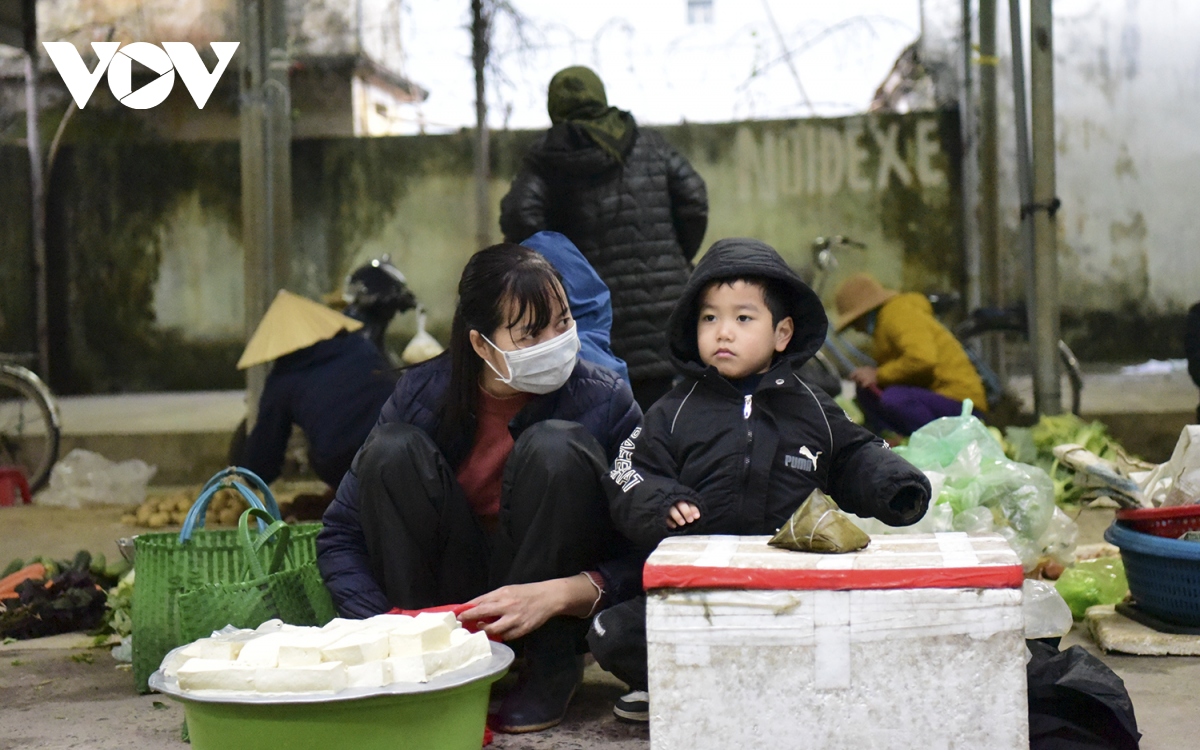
(446, 618)
(298, 655)
(407, 669)
(386, 622)
(304, 649)
(440, 662)
(217, 648)
(327, 677)
(370, 675)
(358, 648)
(464, 649)
(174, 661)
(263, 651)
(416, 638)
(472, 646)
(216, 674)
(346, 627)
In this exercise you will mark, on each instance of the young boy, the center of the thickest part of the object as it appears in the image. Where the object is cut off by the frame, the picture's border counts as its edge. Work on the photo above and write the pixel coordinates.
(742, 441)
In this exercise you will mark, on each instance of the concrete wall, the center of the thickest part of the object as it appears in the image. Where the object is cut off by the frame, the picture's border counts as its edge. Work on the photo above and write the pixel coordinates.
(1127, 97)
(144, 236)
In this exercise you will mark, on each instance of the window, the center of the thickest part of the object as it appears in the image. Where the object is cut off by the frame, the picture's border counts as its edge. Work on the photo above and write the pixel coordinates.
(700, 11)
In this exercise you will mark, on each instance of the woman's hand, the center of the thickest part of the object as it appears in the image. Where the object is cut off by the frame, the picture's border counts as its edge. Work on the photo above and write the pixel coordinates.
(867, 377)
(522, 608)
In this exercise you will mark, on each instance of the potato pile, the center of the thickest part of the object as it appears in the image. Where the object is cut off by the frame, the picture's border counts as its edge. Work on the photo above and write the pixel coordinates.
(224, 509)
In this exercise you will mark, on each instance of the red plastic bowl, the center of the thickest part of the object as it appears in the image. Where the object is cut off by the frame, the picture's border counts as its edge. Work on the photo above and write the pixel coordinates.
(1171, 523)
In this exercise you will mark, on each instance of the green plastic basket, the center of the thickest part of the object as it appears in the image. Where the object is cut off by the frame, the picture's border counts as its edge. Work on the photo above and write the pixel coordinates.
(169, 564)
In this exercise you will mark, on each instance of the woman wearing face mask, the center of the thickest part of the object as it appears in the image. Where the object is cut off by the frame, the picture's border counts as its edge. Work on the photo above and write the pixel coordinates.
(481, 484)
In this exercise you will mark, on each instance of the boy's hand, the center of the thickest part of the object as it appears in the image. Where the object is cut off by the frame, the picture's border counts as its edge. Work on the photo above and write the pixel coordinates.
(681, 514)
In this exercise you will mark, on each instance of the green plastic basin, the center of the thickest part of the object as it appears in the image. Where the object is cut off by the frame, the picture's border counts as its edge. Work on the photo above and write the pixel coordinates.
(447, 713)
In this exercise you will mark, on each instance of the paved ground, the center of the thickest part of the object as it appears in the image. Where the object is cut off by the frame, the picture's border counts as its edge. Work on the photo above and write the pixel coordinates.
(54, 699)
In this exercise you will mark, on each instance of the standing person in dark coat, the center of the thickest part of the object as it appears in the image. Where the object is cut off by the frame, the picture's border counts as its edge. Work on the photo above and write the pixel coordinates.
(1191, 347)
(481, 485)
(631, 203)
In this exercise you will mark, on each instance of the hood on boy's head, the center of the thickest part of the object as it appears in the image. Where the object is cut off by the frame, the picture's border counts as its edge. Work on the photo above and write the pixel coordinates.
(741, 257)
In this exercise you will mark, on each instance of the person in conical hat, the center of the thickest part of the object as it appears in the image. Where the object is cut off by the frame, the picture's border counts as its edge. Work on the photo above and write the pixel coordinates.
(923, 372)
(325, 378)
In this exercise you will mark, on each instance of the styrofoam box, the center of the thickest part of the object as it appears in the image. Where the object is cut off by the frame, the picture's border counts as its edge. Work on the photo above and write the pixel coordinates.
(915, 642)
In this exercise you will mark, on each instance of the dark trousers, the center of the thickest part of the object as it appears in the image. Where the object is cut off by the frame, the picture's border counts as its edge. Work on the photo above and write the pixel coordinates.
(427, 547)
(905, 408)
(617, 639)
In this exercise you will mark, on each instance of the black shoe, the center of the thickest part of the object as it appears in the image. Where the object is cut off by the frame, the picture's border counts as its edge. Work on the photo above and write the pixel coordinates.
(552, 674)
(633, 707)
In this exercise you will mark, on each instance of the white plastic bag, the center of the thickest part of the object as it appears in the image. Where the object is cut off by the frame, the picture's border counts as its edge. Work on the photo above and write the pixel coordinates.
(1046, 612)
(422, 346)
(83, 478)
(1177, 482)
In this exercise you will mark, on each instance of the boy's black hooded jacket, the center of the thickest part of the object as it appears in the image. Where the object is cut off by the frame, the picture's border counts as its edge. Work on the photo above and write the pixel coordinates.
(747, 462)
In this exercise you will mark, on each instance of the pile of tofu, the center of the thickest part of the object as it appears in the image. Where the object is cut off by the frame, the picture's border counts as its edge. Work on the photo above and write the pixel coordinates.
(371, 653)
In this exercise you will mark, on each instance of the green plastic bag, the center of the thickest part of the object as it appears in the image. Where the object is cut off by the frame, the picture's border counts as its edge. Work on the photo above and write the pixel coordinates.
(985, 489)
(1093, 582)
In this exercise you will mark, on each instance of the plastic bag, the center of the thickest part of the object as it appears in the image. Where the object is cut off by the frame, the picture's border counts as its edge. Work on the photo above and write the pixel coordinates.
(86, 478)
(818, 526)
(422, 346)
(1177, 482)
(1093, 582)
(1046, 612)
(978, 480)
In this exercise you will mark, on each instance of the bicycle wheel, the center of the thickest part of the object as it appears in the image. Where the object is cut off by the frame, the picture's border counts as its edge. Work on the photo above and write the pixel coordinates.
(29, 424)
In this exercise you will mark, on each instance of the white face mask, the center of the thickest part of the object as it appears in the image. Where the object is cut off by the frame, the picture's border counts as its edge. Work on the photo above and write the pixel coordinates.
(542, 368)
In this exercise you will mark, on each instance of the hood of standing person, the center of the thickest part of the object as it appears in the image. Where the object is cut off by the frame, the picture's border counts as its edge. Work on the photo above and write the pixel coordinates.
(587, 135)
(292, 323)
(587, 295)
(743, 257)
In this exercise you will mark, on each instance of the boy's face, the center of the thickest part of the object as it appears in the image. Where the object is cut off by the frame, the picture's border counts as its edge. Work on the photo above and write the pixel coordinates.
(734, 332)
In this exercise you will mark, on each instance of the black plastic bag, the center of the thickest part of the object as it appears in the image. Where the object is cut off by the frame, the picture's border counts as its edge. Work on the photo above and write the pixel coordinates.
(1077, 703)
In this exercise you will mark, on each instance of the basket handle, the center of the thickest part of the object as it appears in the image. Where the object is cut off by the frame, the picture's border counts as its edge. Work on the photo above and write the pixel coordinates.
(231, 473)
(195, 516)
(251, 546)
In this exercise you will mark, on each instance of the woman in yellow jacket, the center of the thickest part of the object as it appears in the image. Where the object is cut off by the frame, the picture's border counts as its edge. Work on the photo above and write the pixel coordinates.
(923, 371)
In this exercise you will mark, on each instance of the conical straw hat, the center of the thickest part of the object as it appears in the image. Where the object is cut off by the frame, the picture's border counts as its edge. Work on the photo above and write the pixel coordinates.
(292, 323)
(857, 296)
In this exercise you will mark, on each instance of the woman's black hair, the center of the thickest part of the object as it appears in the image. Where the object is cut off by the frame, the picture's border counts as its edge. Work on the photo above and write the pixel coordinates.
(494, 278)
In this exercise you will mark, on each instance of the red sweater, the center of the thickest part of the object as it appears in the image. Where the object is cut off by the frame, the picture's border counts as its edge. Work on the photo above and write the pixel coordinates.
(482, 471)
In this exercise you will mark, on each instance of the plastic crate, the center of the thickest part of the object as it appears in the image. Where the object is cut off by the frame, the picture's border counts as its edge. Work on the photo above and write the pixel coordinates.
(1163, 574)
(1171, 523)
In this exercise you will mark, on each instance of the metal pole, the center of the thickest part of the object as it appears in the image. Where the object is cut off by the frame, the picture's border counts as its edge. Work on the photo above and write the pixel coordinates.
(970, 152)
(1045, 333)
(481, 19)
(1024, 170)
(992, 284)
(37, 192)
(265, 119)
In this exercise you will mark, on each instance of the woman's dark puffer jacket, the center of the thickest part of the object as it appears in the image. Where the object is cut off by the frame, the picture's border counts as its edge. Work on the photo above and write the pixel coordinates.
(639, 223)
(594, 397)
